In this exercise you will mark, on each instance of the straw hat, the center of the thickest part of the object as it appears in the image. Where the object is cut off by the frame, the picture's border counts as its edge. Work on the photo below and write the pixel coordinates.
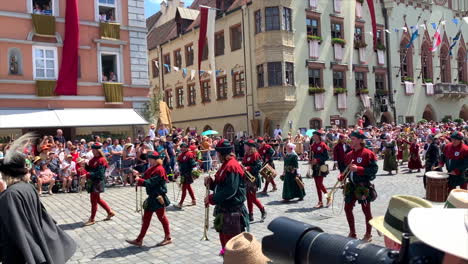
(458, 198)
(392, 225)
(245, 249)
(36, 159)
(441, 228)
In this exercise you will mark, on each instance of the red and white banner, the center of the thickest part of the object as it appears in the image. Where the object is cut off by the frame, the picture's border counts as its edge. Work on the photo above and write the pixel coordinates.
(207, 28)
(370, 3)
(67, 83)
(437, 40)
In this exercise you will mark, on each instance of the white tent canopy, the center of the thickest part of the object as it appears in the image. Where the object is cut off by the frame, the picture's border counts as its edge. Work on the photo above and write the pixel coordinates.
(72, 117)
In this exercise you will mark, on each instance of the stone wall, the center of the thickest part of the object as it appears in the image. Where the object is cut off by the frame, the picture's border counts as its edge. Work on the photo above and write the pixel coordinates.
(138, 47)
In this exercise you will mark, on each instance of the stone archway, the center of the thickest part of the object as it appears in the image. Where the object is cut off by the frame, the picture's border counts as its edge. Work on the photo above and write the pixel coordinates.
(229, 132)
(429, 113)
(464, 113)
(369, 119)
(386, 117)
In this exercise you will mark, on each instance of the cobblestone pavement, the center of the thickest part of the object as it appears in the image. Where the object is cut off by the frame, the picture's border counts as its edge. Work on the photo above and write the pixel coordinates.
(104, 242)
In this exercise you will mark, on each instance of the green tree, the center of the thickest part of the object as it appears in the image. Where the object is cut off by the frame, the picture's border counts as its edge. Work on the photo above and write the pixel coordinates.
(151, 110)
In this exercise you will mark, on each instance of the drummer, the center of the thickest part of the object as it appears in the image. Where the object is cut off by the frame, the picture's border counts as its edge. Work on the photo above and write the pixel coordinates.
(455, 156)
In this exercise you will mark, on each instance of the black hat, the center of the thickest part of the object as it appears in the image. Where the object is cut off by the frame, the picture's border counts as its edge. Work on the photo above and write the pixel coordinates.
(358, 134)
(250, 143)
(96, 145)
(224, 147)
(153, 155)
(457, 135)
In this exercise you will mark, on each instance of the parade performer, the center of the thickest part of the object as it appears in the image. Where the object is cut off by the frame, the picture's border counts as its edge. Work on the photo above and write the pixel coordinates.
(187, 164)
(359, 187)
(339, 152)
(95, 184)
(414, 162)
(27, 232)
(455, 156)
(403, 152)
(267, 152)
(291, 189)
(319, 157)
(231, 217)
(390, 158)
(432, 156)
(252, 163)
(154, 180)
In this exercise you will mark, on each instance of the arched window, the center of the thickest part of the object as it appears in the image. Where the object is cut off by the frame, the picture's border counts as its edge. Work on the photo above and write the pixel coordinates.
(315, 123)
(228, 132)
(406, 59)
(461, 66)
(426, 61)
(207, 127)
(15, 61)
(445, 75)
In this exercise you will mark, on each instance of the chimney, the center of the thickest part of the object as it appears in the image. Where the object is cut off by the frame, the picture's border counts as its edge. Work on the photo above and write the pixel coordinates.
(163, 6)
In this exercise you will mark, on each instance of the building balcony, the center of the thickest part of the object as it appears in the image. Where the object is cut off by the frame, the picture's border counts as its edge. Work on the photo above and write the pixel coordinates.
(275, 38)
(276, 101)
(113, 92)
(450, 90)
(43, 25)
(45, 88)
(109, 30)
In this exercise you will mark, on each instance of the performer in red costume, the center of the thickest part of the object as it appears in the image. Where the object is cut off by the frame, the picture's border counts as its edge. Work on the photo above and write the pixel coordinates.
(320, 156)
(154, 180)
(455, 156)
(267, 153)
(187, 163)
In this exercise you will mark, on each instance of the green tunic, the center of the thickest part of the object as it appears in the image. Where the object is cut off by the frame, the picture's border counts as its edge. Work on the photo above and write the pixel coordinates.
(155, 186)
(290, 188)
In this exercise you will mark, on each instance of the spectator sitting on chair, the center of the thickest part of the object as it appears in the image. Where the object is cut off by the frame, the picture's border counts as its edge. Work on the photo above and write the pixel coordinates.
(46, 176)
(68, 169)
(53, 163)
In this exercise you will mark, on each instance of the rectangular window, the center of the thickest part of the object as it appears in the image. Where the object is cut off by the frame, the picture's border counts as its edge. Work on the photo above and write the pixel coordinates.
(110, 67)
(260, 76)
(258, 21)
(313, 27)
(287, 17)
(238, 83)
(290, 73)
(167, 63)
(380, 36)
(44, 7)
(379, 82)
(314, 78)
(409, 119)
(219, 43)
(155, 69)
(192, 94)
(275, 74)
(221, 83)
(189, 55)
(236, 37)
(338, 79)
(180, 97)
(205, 91)
(169, 101)
(177, 59)
(360, 80)
(336, 30)
(45, 63)
(358, 34)
(107, 10)
(272, 18)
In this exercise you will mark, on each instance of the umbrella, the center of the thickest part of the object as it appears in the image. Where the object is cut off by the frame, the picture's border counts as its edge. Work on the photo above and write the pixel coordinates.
(310, 132)
(209, 132)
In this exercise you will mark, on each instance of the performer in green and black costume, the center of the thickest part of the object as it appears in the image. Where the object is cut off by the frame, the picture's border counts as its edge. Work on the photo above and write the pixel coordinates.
(290, 188)
(187, 164)
(359, 188)
(252, 163)
(229, 195)
(154, 180)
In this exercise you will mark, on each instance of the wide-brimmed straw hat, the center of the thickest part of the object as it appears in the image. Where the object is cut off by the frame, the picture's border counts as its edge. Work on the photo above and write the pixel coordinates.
(245, 249)
(458, 198)
(441, 228)
(392, 224)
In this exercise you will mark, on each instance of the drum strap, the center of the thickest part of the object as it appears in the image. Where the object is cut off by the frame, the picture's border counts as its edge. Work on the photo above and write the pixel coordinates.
(396, 223)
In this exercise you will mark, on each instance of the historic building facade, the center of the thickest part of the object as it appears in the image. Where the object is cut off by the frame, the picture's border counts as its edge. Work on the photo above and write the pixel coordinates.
(112, 67)
(297, 64)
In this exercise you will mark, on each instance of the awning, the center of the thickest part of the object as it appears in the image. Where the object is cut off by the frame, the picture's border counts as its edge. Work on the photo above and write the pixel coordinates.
(16, 118)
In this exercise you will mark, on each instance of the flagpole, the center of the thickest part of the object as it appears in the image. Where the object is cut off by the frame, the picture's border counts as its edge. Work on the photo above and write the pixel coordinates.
(406, 51)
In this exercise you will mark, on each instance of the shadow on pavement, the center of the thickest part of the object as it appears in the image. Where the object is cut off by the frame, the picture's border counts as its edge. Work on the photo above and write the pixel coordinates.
(302, 210)
(72, 226)
(281, 202)
(123, 252)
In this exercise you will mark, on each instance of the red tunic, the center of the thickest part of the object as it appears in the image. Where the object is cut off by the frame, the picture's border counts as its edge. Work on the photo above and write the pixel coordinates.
(414, 162)
(361, 158)
(157, 170)
(318, 149)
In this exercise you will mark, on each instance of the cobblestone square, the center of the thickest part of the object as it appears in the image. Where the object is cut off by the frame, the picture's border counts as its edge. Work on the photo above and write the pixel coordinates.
(104, 242)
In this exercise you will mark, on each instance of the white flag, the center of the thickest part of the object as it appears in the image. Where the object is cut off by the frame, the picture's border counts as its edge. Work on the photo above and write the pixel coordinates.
(192, 74)
(175, 68)
(156, 63)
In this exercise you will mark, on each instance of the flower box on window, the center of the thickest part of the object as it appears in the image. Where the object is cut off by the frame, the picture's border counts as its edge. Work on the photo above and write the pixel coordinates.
(45, 88)
(428, 80)
(358, 44)
(43, 25)
(316, 90)
(340, 90)
(338, 41)
(407, 79)
(316, 38)
(109, 30)
(113, 92)
(362, 91)
(381, 47)
(381, 92)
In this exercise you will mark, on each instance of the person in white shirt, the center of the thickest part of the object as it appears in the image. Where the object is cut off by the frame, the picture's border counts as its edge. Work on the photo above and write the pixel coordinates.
(68, 168)
(277, 131)
(89, 154)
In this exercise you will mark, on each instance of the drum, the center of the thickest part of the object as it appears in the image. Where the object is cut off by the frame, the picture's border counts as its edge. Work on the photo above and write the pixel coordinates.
(437, 186)
(268, 172)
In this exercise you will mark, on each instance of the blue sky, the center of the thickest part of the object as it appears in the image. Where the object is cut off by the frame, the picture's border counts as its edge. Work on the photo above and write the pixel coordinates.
(152, 6)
